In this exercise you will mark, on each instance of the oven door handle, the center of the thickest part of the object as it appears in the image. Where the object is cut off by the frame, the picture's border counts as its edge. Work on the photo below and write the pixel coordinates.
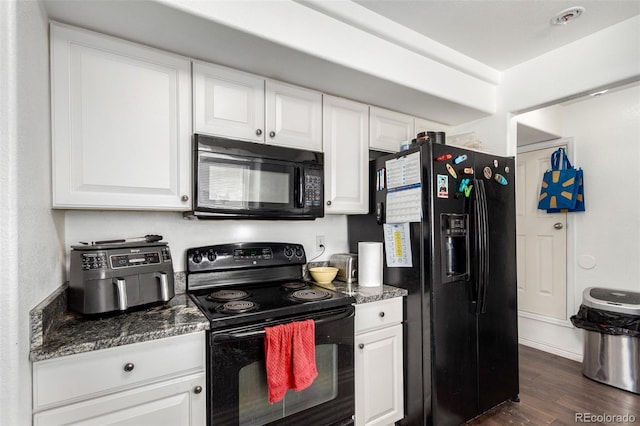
(224, 337)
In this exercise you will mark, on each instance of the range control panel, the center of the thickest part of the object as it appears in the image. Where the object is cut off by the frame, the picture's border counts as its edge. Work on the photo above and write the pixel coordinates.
(244, 255)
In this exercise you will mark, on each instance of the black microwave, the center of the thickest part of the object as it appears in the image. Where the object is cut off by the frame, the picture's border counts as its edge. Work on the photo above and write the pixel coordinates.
(246, 180)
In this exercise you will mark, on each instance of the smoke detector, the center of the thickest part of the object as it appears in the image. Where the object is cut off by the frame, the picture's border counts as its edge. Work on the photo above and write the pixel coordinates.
(567, 15)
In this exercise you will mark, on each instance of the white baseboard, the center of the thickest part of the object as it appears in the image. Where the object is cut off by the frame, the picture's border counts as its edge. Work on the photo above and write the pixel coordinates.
(550, 349)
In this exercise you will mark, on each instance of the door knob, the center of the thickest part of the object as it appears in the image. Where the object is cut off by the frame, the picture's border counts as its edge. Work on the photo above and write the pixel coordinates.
(272, 134)
(197, 389)
(258, 132)
(558, 225)
(128, 367)
(361, 345)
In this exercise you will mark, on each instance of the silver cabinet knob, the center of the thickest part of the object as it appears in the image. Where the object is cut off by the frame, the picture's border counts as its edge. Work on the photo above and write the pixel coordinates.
(272, 134)
(197, 389)
(129, 367)
(558, 225)
(361, 345)
(381, 314)
(329, 202)
(185, 198)
(258, 132)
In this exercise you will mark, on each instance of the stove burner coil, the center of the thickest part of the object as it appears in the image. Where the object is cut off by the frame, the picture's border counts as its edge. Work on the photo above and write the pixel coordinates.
(294, 285)
(227, 295)
(310, 295)
(237, 307)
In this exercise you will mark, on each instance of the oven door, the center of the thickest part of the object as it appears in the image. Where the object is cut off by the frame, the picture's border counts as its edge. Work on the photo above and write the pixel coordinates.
(237, 383)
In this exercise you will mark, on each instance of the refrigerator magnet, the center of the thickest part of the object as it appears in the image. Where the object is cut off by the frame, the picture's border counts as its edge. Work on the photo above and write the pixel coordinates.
(460, 158)
(451, 171)
(500, 179)
(443, 186)
(487, 172)
(444, 157)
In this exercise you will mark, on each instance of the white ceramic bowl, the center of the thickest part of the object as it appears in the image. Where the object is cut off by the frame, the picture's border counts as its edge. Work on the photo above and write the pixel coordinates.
(323, 274)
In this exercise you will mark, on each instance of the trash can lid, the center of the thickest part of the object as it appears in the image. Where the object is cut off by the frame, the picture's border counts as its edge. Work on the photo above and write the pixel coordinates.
(606, 299)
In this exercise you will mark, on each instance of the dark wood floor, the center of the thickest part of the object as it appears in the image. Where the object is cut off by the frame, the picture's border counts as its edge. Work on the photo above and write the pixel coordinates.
(553, 390)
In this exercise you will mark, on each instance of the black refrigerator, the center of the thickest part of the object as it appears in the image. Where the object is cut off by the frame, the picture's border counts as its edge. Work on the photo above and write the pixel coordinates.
(446, 216)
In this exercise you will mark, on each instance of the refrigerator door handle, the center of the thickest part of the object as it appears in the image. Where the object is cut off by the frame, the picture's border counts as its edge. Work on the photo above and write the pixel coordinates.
(483, 247)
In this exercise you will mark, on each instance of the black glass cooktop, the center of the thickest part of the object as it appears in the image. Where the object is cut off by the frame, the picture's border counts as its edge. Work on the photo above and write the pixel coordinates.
(244, 304)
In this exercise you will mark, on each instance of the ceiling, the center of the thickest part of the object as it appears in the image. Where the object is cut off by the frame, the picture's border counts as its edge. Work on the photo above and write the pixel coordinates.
(503, 33)
(475, 39)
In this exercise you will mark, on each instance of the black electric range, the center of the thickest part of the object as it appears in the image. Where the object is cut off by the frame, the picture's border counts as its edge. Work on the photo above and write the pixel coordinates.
(247, 283)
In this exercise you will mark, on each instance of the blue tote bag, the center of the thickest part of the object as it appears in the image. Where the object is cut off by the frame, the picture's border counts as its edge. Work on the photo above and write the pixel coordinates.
(560, 185)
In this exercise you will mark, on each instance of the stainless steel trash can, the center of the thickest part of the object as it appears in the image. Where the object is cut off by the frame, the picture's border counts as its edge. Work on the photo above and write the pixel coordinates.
(609, 358)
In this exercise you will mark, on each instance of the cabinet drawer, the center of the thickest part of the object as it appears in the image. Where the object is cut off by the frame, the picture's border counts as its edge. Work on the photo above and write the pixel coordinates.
(374, 315)
(82, 376)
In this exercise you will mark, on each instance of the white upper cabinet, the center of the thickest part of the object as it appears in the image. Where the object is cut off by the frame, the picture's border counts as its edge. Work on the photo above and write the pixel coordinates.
(121, 124)
(294, 116)
(389, 129)
(237, 105)
(345, 136)
(228, 103)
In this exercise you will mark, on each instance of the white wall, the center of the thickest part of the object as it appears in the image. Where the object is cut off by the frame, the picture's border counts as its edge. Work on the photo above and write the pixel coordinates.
(182, 233)
(602, 59)
(32, 265)
(605, 132)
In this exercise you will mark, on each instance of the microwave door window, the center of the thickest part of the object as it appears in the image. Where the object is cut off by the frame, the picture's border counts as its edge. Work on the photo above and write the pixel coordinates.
(243, 186)
(268, 187)
(226, 185)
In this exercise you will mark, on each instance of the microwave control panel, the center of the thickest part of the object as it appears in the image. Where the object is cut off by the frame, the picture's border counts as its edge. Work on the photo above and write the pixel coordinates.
(313, 188)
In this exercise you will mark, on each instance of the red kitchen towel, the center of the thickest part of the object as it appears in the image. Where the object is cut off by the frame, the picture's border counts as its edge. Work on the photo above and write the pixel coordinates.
(290, 357)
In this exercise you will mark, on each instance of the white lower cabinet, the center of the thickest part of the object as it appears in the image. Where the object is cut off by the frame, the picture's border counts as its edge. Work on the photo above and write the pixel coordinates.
(161, 382)
(378, 363)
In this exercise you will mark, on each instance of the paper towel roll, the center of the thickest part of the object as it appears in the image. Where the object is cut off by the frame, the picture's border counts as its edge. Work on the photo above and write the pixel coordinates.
(369, 264)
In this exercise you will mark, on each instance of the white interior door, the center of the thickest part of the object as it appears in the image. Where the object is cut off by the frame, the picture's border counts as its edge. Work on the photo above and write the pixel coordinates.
(541, 242)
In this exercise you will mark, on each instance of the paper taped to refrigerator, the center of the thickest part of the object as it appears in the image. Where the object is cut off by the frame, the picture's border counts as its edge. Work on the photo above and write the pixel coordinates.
(404, 189)
(397, 245)
(403, 171)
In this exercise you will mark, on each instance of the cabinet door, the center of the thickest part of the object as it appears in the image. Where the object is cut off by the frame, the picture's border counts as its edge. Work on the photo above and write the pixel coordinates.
(174, 402)
(228, 103)
(345, 136)
(389, 129)
(121, 123)
(294, 116)
(378, 374)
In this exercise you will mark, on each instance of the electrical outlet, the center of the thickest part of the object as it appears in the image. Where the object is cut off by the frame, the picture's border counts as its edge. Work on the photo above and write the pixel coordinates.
(320, 243)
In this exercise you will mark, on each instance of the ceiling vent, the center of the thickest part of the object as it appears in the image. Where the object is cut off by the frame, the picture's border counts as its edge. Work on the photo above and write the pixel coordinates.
(567, 15)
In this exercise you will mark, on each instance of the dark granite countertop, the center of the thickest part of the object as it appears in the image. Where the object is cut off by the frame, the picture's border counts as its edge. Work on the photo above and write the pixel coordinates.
(366, 294)
(57, 332)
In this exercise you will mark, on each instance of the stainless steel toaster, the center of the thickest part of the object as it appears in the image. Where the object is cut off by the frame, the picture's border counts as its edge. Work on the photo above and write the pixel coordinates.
(347, 264)
(118, 277)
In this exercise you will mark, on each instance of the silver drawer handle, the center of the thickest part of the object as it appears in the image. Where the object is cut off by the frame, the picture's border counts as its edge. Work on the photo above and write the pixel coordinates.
(129, 367)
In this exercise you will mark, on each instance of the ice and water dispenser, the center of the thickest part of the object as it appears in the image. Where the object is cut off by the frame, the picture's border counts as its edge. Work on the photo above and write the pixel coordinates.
(455, 246)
